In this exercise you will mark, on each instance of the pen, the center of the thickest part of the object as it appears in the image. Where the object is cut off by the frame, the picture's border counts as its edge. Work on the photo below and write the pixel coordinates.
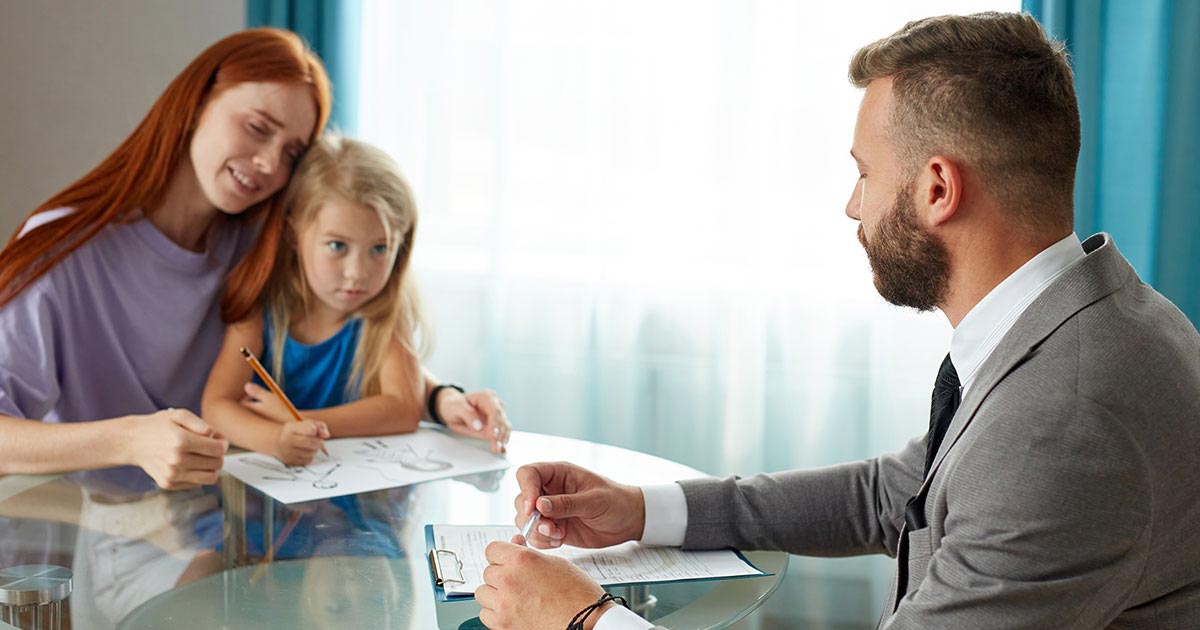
(274, 387)
(529, 525)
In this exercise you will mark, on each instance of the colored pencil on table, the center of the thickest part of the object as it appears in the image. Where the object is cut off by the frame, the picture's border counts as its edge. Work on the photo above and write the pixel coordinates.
(273, 386)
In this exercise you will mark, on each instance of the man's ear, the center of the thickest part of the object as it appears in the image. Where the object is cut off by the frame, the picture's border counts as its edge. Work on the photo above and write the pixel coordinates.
(939, 190)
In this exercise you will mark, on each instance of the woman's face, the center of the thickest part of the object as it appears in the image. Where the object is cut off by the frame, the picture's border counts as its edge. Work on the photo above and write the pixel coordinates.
(248, 140)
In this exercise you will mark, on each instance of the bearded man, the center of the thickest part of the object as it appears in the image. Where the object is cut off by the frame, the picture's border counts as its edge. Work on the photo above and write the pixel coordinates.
(1057, 486)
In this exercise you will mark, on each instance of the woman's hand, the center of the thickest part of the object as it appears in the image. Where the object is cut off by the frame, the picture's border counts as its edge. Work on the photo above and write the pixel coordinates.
(265, 403)
(476, 414)
(176, 448)
(298, 442)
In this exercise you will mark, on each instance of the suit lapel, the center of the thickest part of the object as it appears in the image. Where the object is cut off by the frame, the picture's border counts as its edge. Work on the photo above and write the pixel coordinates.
(1097, 276)
(1102, 272)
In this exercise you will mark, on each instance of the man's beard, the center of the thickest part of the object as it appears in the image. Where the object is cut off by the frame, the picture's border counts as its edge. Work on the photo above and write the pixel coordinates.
(910, 265)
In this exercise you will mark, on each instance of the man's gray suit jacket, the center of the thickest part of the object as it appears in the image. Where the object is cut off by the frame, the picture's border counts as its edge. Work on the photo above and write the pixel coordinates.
(1066, 493)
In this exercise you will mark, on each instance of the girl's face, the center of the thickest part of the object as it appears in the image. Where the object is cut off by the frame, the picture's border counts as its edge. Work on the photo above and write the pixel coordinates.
(344, 253)
(248, 140)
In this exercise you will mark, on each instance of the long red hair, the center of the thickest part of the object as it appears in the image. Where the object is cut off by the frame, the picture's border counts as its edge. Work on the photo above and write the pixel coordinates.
(135, 176)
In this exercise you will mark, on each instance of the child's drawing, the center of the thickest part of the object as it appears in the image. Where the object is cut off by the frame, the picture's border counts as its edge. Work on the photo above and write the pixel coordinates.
(281, 472)
(379, 452)
(361, 465)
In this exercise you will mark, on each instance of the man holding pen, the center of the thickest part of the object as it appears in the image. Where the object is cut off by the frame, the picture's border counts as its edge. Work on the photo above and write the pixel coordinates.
(1056, 486)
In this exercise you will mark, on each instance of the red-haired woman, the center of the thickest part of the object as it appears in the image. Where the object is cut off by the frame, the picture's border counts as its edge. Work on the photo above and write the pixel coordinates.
(112, 293)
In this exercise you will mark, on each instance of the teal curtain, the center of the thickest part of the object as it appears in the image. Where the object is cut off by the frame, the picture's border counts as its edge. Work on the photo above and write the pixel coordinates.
(1137, 72)
(332, 28)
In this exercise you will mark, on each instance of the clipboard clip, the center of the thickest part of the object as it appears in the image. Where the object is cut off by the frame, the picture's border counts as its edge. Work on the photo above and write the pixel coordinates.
(440, 577)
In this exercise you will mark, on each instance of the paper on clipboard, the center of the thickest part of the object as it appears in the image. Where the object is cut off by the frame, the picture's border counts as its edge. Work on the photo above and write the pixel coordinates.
(457, 561)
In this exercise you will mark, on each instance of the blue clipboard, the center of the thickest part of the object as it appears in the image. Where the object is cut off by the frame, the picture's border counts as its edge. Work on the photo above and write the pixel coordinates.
(442, 561)
(443, 568)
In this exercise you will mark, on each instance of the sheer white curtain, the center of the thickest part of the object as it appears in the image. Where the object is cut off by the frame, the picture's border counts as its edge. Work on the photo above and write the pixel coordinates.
(632, 227)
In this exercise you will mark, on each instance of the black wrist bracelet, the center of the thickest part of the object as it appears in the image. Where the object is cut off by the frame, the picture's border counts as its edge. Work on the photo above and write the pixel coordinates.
(581, 616)
(431, 404)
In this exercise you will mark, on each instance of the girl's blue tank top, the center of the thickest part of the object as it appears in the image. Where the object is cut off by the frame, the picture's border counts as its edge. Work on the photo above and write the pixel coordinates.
(314, 376)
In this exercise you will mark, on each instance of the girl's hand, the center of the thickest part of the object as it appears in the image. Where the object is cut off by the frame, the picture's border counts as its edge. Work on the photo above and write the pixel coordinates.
(265, 403)
(297, 443)
(476, 414)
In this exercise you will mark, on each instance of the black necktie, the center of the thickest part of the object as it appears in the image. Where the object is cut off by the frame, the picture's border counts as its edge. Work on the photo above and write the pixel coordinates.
(946, 397)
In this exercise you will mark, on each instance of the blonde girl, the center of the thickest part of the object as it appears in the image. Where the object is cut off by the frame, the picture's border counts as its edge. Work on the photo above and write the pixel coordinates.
(338, 320)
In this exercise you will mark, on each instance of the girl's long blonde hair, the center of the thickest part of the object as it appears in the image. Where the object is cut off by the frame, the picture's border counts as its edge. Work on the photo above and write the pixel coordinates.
(340, 168)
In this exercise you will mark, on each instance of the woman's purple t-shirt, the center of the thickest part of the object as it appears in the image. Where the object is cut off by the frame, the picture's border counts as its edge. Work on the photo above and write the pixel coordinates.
(129, 323)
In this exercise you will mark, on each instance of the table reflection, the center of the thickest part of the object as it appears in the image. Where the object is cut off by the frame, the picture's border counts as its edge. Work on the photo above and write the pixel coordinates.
(124, 540)
(230, 557)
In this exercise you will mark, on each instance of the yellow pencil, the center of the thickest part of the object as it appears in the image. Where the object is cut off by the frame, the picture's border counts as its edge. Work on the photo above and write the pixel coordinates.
(273, 386)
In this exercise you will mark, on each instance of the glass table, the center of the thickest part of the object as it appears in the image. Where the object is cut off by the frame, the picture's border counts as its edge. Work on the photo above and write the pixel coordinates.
(144, 558)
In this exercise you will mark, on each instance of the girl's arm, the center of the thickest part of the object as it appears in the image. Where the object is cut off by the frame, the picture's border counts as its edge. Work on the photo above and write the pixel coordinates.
(476, 414)
(294, 443)
(382, 414)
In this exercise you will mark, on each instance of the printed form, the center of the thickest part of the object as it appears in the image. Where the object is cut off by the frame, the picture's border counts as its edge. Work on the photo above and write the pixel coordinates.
(627, 563)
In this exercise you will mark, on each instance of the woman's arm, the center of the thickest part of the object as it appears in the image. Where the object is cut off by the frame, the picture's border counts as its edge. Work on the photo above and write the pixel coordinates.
(176, 448)
(294, 443)
(37, 345)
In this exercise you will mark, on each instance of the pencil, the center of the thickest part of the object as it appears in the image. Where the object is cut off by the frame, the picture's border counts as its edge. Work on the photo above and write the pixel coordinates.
(270, 553)
(273, 386)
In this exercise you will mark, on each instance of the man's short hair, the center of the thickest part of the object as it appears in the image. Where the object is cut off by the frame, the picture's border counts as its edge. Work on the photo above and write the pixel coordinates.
(991, 91)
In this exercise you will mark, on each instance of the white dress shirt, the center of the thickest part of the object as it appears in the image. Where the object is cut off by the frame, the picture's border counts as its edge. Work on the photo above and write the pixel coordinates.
(985, 325)
(976, 336)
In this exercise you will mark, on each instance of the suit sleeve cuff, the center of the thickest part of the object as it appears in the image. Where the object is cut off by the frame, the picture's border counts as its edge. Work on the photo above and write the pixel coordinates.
(621, 618)
(666, 515)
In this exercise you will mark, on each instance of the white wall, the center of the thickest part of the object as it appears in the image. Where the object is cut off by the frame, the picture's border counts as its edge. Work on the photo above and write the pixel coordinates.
(77, 76)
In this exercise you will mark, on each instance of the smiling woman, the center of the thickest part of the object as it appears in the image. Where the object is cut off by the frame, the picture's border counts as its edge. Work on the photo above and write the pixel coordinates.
(246, 143)
(111, 291)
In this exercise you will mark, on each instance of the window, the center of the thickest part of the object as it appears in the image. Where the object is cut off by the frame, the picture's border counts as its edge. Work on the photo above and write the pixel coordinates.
(632, 227)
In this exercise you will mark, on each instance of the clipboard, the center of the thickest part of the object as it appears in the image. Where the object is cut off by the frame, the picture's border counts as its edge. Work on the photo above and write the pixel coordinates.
(445, 573)
(445, 568)
(436, 558)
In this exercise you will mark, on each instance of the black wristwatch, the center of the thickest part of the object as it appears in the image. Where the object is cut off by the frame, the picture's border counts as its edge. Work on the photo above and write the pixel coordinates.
(431, 404)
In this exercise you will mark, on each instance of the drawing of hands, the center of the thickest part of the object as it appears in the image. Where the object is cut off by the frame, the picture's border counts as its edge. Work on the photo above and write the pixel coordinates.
(319, 474)
(379, 452)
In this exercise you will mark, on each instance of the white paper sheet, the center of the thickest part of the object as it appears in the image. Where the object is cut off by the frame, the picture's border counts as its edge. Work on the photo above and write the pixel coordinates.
(363, 464)
(627, 563)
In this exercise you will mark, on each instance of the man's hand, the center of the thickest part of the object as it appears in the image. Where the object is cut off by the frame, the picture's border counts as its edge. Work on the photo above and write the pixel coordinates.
(578, 507)
(176, 448)
(297, 443)
(526, 590)
(476, 414)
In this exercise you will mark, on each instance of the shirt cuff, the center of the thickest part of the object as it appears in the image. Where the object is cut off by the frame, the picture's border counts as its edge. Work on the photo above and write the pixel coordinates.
(666, 515)
(621, 618)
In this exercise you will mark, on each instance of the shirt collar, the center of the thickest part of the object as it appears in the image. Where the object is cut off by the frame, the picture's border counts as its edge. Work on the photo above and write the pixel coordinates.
(978, 334)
